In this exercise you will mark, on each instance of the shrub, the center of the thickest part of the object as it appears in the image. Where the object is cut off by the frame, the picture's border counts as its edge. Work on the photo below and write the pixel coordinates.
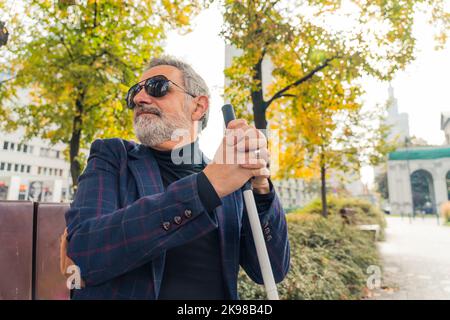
(445, 211)
(328, 261)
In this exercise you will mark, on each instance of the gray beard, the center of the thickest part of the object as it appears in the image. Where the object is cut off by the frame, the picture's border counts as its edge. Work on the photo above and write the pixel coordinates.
(156, 130)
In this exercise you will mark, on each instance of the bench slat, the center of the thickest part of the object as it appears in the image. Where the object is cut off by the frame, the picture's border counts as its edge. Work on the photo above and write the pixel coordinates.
(50, 284)
(16, 246)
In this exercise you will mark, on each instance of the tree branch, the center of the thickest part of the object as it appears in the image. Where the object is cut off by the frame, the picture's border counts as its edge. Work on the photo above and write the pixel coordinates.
(61, 38)
(7, 80)
(287, 95)
(91, 107)
(95, 14)
(301, 80)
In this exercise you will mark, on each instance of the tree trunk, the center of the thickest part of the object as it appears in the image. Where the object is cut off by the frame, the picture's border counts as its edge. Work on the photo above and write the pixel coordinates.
(259, 105)
(75, 167)
(323, 190)
(74, 151)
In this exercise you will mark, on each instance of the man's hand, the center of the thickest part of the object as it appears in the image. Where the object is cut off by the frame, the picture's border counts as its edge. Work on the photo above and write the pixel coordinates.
(242, 155)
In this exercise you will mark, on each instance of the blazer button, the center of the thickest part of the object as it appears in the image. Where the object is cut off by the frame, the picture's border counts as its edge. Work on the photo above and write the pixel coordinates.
(187, 213)
(177, 219)
(166, 225)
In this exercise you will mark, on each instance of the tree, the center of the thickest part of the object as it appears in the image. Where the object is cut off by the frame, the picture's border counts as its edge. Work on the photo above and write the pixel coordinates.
(381, 181)
(76, 63)
(319, 50)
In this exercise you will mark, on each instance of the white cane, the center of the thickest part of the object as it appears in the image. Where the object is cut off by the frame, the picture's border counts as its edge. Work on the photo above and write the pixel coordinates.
(255, 224)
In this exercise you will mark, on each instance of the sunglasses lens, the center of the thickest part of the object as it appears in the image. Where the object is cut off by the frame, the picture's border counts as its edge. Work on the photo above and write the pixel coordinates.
(157, 87)
(131, 94)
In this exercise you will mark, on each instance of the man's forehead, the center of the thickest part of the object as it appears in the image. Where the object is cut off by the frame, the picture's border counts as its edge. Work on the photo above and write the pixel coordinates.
(171, 73)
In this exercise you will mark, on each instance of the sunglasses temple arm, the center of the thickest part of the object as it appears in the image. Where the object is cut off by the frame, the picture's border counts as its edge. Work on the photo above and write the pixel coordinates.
(193, 96)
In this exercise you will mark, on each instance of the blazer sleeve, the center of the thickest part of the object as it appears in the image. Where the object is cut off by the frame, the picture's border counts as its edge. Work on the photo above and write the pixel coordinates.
(106, 241)
(273, 223)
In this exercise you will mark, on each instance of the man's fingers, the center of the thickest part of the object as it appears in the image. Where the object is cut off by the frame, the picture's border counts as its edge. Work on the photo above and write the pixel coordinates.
(250, 144)
(256, 164)
(236, 123)
(240, 130)
(251, 157)
(236, 133)
(263, 172)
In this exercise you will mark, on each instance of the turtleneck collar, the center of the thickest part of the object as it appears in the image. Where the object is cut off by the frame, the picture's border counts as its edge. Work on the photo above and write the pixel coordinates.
(189, 154)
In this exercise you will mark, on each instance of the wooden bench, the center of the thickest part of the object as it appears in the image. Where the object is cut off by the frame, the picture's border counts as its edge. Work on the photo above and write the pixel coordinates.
(348, 215)
(375, 228)
(29, 251)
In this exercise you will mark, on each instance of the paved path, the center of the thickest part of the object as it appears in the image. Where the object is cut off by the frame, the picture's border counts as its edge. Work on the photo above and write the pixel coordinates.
(416, 259)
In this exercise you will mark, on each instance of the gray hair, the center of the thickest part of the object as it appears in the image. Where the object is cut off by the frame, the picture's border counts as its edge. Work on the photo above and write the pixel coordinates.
(193, 82)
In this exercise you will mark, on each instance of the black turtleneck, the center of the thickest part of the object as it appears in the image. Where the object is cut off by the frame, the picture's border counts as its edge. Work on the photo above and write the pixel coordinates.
(194, 269)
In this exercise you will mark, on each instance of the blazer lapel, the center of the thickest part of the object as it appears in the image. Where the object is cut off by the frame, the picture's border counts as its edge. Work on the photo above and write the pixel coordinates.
(145, 171)
(228, 217)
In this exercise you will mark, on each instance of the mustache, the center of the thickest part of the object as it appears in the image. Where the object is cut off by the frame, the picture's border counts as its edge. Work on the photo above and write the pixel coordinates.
(143, 108)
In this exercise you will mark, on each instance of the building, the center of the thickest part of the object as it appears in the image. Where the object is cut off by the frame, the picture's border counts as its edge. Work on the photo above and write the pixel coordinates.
(32, 170)
(398, 129)
(398, 122)
(419, 177)
(294, 193)
(445, 126)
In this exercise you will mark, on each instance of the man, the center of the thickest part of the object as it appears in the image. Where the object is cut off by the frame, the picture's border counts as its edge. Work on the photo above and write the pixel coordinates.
(3, 191)
(35, 191)
(145, 225)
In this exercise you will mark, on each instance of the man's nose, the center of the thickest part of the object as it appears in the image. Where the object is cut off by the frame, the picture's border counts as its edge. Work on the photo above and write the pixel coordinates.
(142, 98)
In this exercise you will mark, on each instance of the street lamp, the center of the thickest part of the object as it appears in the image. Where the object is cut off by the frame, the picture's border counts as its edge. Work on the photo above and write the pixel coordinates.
(3, 34)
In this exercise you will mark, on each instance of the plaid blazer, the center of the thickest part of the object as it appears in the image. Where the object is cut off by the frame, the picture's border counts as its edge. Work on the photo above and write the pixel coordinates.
(121, 223)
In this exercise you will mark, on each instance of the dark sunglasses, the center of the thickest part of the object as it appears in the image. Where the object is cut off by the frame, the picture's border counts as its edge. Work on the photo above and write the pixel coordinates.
(156, 86)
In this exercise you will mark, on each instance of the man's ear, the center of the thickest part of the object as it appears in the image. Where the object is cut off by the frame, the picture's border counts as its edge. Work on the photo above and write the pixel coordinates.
(201, 104)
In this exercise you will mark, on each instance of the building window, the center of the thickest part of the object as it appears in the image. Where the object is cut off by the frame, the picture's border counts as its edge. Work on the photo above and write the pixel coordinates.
(16, 168)
(57, 154)
(50, 171)
(25, 148)
(60, 172)
(31, 149)
(28, 169)
(5, 145)
(9, 167)
(2, 166)
(19, 147)
(22, 168)
(45, 171)
(12, 146)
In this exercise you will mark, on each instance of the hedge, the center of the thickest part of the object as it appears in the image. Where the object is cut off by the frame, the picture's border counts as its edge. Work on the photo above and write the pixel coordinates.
(329, 260)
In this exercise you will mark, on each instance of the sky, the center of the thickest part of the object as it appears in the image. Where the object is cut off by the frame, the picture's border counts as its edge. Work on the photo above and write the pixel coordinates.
(204, 49)
(422, 89)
